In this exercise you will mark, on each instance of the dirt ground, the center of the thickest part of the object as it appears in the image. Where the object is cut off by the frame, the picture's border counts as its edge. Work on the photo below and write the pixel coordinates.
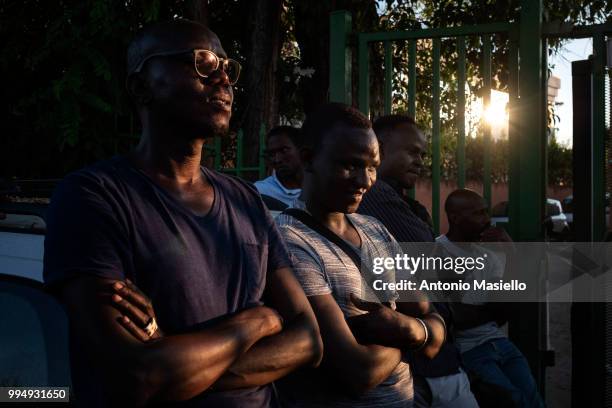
(559, 377)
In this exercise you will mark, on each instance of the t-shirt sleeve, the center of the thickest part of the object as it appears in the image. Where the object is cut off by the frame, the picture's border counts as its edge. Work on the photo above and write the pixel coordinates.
(84, 235)
(278, 256)
(307, 266)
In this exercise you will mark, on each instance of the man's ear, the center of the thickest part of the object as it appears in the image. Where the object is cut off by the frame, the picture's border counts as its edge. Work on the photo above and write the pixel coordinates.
(306, 155)
(139, 89)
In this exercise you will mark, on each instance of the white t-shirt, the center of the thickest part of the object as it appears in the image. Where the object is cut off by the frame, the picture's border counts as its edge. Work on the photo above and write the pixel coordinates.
(271, 186)
(494, 270)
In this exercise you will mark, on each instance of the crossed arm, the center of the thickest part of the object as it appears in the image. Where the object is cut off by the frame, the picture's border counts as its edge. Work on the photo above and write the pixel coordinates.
(364, 350)
(298, 344)
(247, 348)
(400, 328)
(358, 367)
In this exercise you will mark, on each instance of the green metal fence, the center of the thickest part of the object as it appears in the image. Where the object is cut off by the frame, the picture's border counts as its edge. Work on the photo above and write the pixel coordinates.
(364, 40)
(527, 108)
(239, 169)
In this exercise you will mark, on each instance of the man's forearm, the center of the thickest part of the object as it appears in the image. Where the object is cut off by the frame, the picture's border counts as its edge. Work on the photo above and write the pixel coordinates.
(427, 333)
(437, 334)
(435, 325)
(383, 361)
(179, 367)
(273, 357)
(409, 333)
(362, 367)
(298, 344)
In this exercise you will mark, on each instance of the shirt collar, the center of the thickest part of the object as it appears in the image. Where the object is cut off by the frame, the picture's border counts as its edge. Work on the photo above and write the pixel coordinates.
(393, 184)
(288, 191)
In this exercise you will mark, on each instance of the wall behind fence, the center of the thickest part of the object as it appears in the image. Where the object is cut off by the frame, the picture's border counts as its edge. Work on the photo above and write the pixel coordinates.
(499, 192)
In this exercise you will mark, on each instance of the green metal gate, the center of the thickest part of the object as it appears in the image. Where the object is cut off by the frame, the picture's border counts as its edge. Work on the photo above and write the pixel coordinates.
(527, 131)
(340, 82)
(527, 86)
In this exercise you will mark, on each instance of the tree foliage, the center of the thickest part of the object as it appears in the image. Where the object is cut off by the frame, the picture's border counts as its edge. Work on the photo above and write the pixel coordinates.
(65, 105)
(420, 14)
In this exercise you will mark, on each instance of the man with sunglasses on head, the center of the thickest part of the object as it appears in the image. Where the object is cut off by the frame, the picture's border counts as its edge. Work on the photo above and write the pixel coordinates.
(200, 245)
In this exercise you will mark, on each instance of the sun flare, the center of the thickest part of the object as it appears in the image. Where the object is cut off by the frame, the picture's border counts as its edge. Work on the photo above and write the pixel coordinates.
(496, 114)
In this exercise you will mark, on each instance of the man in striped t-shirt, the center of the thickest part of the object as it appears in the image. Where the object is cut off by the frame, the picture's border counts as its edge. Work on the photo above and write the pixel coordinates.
(363, 341)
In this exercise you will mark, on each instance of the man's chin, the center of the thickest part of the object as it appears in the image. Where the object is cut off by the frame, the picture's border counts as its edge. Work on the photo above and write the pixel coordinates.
(352, 207)
(214, 128)
(215, 122)
(345, 208)
(220, 130)
(284, 175)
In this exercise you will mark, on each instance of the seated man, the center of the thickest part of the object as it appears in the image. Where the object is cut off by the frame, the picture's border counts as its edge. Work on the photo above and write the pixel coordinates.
(363, 341)
(285, 184)
(199, 244)
(485, 350)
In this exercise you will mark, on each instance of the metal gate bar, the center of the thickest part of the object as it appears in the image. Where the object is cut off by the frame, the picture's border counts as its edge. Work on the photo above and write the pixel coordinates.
(363, 41)
(460, 112)
(486, 102)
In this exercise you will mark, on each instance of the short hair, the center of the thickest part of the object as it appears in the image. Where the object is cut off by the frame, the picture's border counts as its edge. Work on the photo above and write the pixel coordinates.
(292, 133)
(458, 197)
(385, 124)
(160, 37)
(319, 122)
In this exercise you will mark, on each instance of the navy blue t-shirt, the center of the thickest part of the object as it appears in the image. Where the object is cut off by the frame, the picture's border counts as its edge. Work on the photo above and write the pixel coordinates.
(111, 220)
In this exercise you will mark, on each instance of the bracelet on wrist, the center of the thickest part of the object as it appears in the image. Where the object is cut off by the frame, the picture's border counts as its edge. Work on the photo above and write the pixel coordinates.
(426, 338)
(441, 320)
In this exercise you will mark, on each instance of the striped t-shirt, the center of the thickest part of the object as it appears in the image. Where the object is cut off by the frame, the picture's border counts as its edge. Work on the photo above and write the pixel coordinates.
(323, 268)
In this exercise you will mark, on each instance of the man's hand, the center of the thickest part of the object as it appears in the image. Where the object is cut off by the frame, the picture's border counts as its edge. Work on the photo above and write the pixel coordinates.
(136, 309)
(495, 234)
(137, 312)
(384, 326)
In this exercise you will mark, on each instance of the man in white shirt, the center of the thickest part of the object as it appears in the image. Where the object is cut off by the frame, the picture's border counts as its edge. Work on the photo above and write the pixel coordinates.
(485, 349)
(285, 184)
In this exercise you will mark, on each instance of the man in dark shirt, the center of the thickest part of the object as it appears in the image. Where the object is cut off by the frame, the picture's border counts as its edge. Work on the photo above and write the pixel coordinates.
(438, 382)
(199, 244)
(402, 146)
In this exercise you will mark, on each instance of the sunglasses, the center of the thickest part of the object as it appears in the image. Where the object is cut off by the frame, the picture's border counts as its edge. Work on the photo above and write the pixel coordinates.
(205, 62)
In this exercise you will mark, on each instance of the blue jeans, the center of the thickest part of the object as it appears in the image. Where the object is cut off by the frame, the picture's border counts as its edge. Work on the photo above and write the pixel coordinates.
(499, 362)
